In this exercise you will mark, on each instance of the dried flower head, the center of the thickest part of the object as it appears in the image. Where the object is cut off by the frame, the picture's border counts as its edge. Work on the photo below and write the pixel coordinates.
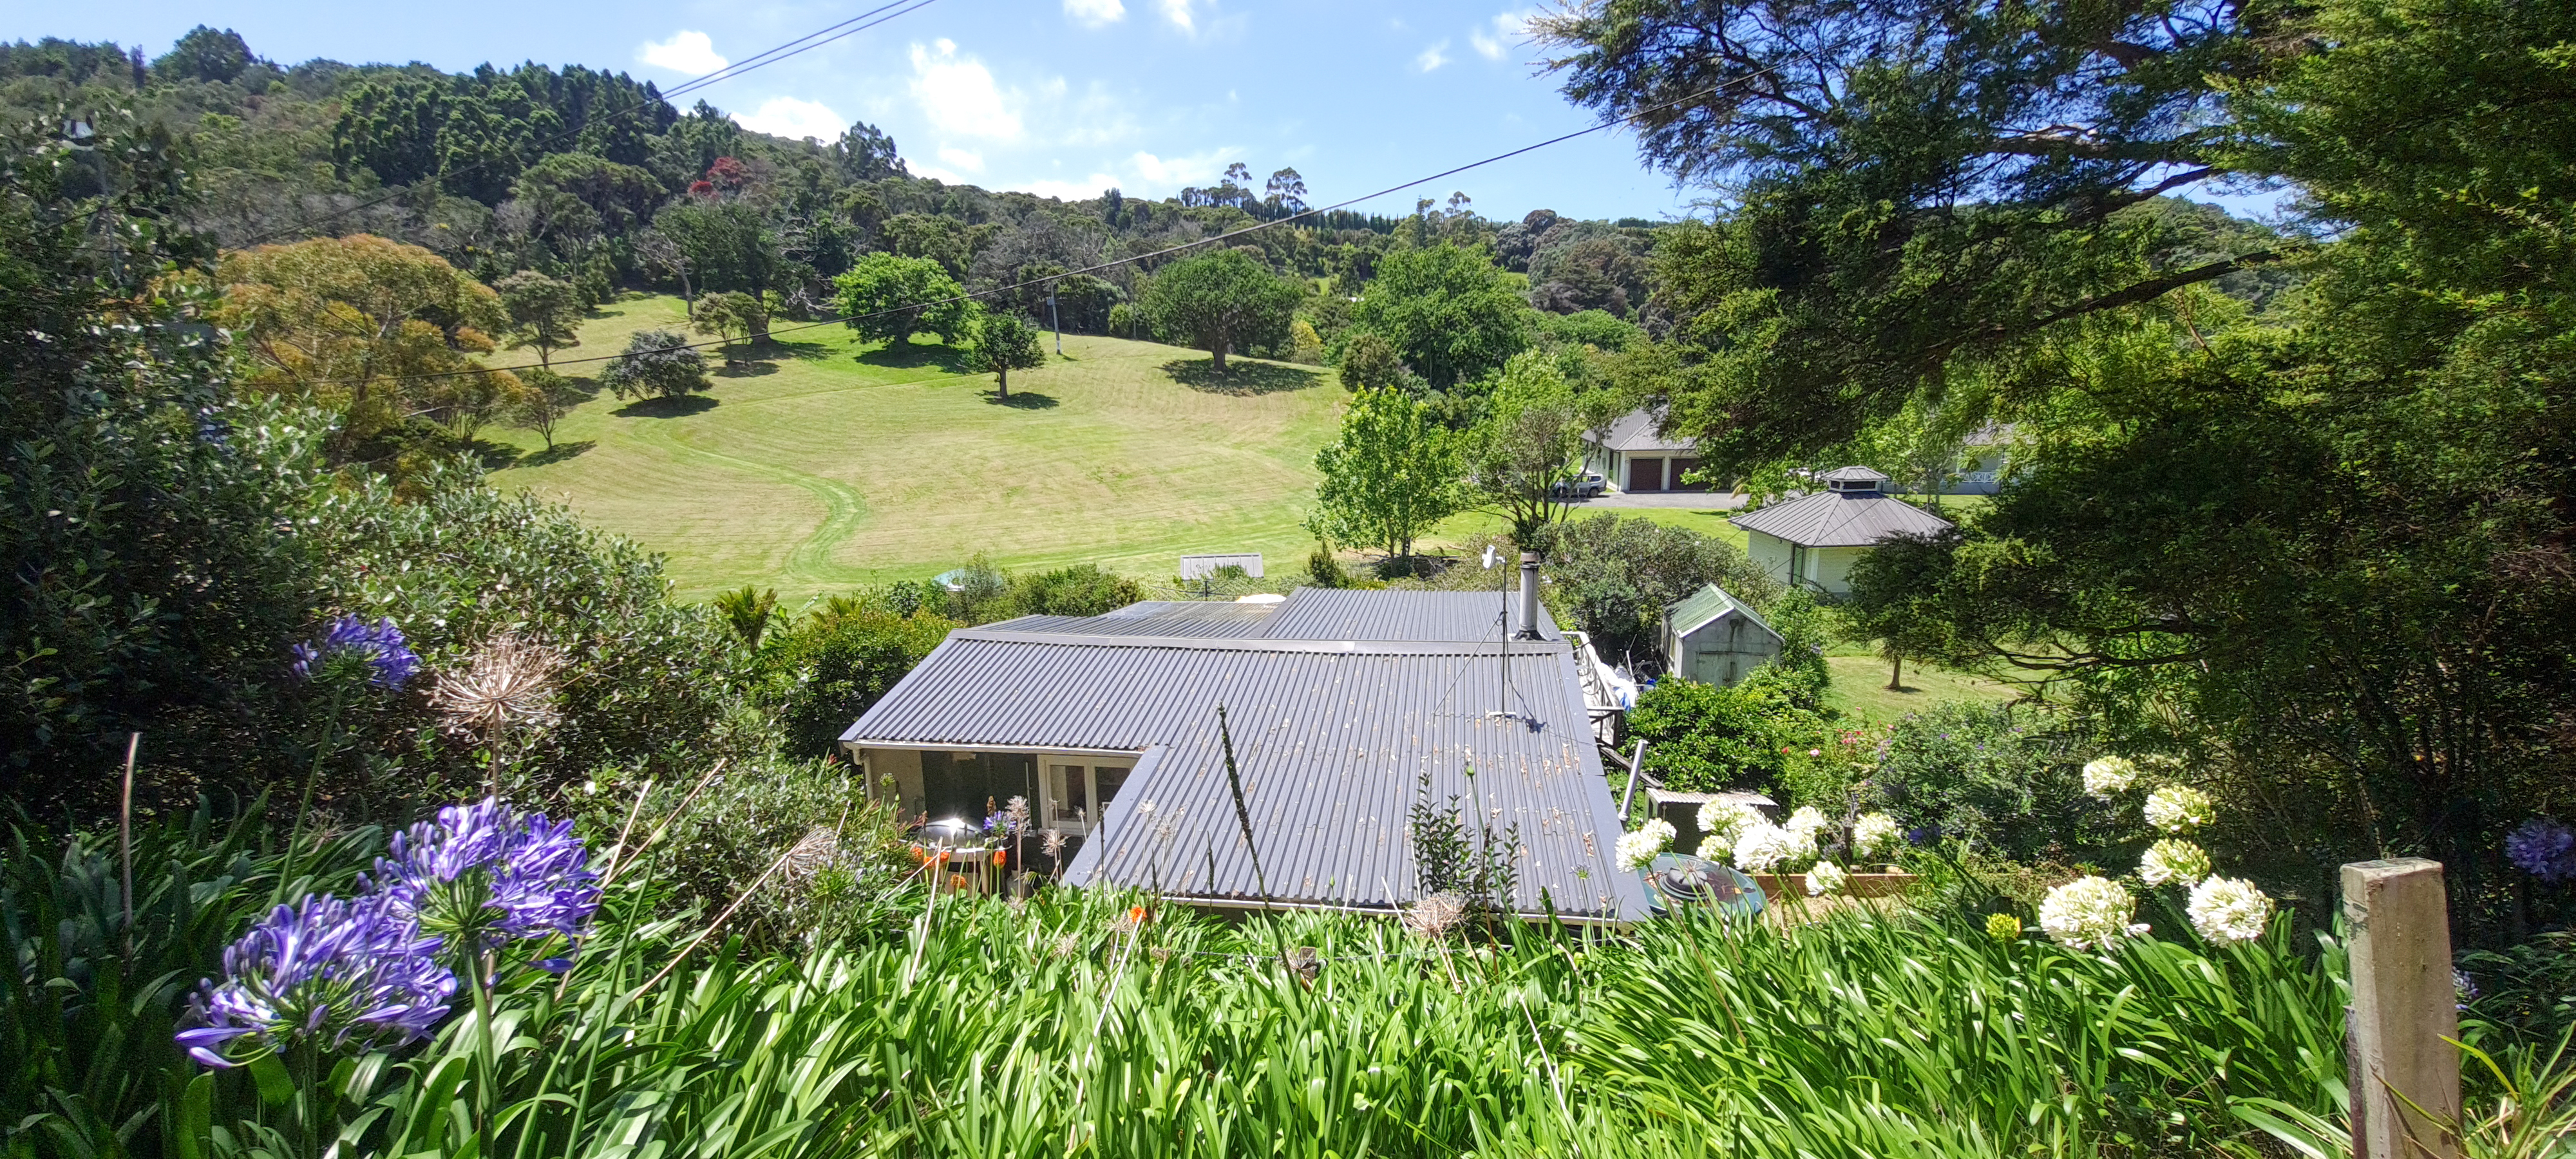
(324, 970)
(1434, 916)
(508, 685)
(2089, 913)
(1053, 843)
(1065, 945)
(2173, 860)
(812, 854)
(2228, 910)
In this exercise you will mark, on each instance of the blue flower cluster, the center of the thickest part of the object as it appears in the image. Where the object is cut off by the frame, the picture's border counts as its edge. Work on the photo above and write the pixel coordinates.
(379, 970)
(2543, 847)
(380, 646)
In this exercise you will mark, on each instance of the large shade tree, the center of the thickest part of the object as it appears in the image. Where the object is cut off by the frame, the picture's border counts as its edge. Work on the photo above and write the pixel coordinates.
(889, 298)
(1221, 303)
(1390, 475)
(1447, 310)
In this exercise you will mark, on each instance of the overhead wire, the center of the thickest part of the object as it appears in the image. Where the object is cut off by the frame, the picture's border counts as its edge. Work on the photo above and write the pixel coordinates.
(971, 295)
(763, 59)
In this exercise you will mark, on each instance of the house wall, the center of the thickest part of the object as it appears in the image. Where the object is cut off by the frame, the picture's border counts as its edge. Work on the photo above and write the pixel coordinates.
(904, 767)
(1829, 568)
(1825, 569)
(1768, 552)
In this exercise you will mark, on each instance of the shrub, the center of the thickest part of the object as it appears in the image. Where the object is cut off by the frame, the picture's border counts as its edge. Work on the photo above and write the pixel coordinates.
(1370, 363)
(1616, 576)
(657, 364)
(829, 669)
(839, 885)
(1080, 590)
(1701, 738)
(1324, 569)
(1999, 777)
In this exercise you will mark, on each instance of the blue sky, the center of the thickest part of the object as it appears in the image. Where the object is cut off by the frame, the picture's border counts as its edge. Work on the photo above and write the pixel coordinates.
(1055, 96)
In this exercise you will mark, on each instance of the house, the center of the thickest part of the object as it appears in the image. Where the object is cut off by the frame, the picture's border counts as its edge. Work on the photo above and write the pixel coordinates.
(1813, 540)
(1338, 703)
(1714, 638)
(1633, 457)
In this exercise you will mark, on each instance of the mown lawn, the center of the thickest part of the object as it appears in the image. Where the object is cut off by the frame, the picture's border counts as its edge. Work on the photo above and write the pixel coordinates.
(824, 464)
(1860, 688)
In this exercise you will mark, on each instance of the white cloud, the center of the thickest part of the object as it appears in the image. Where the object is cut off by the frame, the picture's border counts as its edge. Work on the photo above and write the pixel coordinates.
(958, 94)
(686, 52)
(1507, 29)
(1071, 190)
(793, 119)
(965, 159)
(1095, 13)
(1432, 57)
(1178, 12)
(1179, 171)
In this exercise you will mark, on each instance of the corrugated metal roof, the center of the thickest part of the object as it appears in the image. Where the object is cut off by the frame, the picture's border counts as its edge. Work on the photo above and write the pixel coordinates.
(1852, 475)
(1635, 431)
(1331, 737)
(1369, 614)
(1706, 604)
(1155, 618)
(1840, 519)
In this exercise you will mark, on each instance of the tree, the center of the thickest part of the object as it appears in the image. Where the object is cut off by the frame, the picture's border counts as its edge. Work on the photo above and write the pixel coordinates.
(726, 244)
(544, 313)
(1447, 312)
(747, 611)
(866, 153)
(656, 364)
(1370, 363)
(1620, 574)
(1896, 599)
(889, 298)
(731, 315)
(1004, 343)
(1528, 443)
(205, 55)
(378, 331)
(658, 252)
(1388, 478)
(1221, 302)
(549, 397)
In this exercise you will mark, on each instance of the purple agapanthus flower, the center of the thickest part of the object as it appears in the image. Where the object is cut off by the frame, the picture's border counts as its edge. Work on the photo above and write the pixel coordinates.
(2543, 847)
(326, 970)
(485, 874)
(388, 658)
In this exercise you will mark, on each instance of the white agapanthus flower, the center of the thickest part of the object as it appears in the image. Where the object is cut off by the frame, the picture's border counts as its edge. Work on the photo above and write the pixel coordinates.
(1637, 850)
(2173, 860)
(2179, 809)
(2228, 910)
(1826, 877)
(1764, 847)
(1807, 821)
(1875, 833)
(2089, 913)
(1727, 818)
(1713, 848)
(2104, 776)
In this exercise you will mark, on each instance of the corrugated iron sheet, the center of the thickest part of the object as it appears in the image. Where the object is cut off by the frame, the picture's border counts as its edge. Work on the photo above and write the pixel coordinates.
(1366, 614)
(1840, 519)
(1332, 742)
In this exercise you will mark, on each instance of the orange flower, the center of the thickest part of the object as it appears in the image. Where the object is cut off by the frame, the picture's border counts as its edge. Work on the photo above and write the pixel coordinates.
(1136, 914)
(956, 881)
(1001, 857)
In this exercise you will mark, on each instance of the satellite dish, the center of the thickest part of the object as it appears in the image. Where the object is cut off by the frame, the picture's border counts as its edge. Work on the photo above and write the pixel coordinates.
(1490, 557)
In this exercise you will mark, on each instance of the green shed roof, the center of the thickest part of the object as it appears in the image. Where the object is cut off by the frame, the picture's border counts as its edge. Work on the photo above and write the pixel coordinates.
(1709, 603)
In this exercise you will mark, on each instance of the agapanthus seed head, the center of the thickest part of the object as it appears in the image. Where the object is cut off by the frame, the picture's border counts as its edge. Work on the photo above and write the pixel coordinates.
(378, 650)
(507, 686)
(326, 971)
(1434, 916)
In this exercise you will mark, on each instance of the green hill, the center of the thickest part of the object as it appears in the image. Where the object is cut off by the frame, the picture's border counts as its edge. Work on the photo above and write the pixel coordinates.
(818, 467)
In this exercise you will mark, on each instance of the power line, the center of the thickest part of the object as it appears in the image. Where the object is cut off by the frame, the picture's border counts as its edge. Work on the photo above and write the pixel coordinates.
(802, 44)
(1108, 265)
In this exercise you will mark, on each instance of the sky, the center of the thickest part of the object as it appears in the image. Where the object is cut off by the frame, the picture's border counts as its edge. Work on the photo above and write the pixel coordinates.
(1060, 97)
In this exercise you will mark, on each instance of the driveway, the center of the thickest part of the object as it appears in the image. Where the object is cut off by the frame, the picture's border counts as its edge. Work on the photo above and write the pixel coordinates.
(1694, 500)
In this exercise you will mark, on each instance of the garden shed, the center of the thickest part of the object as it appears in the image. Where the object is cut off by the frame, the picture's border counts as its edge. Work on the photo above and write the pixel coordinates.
(1714, 638)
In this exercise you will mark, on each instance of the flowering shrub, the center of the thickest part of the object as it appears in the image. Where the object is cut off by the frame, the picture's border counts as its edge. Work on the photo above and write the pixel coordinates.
(2228, 910)
(2178, 809)
(2173, 861)
(2089, 913)
(2543, 847)
(2104, 776)
(1993, 775)
(324, 972)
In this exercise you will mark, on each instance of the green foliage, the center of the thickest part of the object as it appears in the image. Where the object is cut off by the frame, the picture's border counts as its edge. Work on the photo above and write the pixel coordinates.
(1614, 577)
(1004, 343)
(747, 612)
(1388, 478)
(1222, 302)
(1324, 569)
(549, 397)
(1701, 738)
(1896, 599)
(1470, 863)
(730, 315)
(727, 244)
(204, 54)
(1080, 590)
(657, 364)
(1446, 311)
(826, 670)
(1529, 441)
(2007, 780)
(1370, 363)
(1595, 328)
(544, 313)
(888, 298)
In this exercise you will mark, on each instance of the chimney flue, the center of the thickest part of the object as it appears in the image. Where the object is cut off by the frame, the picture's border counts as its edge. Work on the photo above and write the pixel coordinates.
(1529, 596)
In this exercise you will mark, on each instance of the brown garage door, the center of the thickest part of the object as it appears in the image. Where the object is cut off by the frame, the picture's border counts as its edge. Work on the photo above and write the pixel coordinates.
(1645, 474)
(1683, 467)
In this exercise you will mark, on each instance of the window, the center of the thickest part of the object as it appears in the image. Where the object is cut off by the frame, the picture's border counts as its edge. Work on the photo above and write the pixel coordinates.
(1076, 794)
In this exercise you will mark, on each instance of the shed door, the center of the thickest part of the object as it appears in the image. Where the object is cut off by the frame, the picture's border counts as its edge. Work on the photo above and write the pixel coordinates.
(1645, 474)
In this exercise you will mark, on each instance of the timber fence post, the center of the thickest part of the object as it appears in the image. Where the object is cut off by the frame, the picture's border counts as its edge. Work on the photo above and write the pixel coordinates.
(2404, 1024)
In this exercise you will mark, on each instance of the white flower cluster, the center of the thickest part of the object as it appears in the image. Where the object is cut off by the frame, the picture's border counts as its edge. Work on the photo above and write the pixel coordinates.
(1875, 833)
(2179, 809)
(1637, 850)
(1765, 847)
(2089, 913)
(2175, 861)
(1806, 822)
(1722, 820)
(2228, 910)
(2104, 776)
(1824, 878)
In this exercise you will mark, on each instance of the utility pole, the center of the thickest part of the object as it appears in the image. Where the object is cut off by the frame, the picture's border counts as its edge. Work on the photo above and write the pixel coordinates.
(1056, 320)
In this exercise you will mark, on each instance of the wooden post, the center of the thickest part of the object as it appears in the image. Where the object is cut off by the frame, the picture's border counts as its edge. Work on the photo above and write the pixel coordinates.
(2405, 1058)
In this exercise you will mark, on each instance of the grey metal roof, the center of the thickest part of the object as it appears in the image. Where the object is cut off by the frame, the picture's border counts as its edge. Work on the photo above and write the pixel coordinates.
(1331, 736)
(1156, 618)
(1706, 604)
(1840, 519)
(1635, 431)
(1369, 614)
(1852, 475)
